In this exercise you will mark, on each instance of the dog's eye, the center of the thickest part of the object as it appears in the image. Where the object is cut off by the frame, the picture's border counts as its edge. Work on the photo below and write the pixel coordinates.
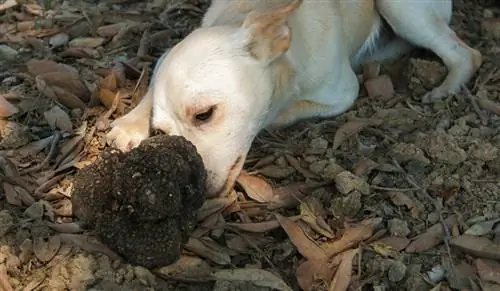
(206, 115)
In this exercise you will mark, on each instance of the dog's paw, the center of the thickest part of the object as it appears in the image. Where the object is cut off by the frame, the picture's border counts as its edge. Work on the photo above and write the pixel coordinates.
(127, 133)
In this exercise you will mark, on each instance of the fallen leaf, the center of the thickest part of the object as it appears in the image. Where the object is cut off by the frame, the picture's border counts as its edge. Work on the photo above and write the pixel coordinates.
(276, 172)
(310, 272)
(211, 252)
(397, 242)
(258, 277)
(34, 9)
(58, 119)
(380, 87)
(478, 246)
(349, 129)
(89, 42)
(4, 282)
(342, 278)
(80, 52)
(401, 199)
(8, 4)
(187, 267)
(111, 29)
(45, 249)
(312, 215)
(38, 67)
(211, 206)
(432, 237)
(291, 195)
(110, 81)
(6, 108)
(458, 275)
(89, 244)
(385, 250)
(482, 228)
(351, 238)
(11, 195)
(304, 245)
(489, 271)
(255, 187)
(67, 227)
(258, 227)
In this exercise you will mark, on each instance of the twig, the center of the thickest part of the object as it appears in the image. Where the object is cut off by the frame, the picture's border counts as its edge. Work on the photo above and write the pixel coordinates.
(473, 100)
(50, 155)
(375, 187)
(447, 235)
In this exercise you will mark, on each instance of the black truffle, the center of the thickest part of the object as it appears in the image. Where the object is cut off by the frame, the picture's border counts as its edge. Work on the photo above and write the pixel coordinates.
(143, 203)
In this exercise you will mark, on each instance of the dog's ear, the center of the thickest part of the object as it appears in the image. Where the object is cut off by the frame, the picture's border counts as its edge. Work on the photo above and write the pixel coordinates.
(270, 35)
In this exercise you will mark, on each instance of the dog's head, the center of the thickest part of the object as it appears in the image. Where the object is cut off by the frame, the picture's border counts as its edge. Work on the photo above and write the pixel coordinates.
(216, 86)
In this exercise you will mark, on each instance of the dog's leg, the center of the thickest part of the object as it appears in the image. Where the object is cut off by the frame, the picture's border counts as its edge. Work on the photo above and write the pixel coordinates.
(426, 24)
(129, 130)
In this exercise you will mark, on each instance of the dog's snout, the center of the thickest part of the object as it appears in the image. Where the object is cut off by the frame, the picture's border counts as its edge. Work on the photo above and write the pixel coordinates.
(158, 131)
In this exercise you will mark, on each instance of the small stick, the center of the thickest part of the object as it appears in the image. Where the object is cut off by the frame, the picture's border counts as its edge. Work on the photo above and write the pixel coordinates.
(49, 157)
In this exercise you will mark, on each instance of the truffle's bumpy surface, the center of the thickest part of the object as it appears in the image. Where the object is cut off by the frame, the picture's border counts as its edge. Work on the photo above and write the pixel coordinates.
(143, 203)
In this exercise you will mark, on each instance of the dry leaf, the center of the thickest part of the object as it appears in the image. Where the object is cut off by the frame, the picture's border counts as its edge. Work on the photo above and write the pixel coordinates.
(385, 250)
(88, 244)
(38, 67)
(290, 195)
(6, 5)
(58, 119)
(489, 271)
(89, 42)
(397, 242)
(11, 195)
(342, 278)
(4, 282)
(211, 252)
(68, 227)
(312, 271)
(80, 52)
(349, 129)
(259, 227)
(111, 29)
(258, 277)
(351, 238)
(482, 228)
(401, 199)
(478, 246)
(109, 82)
(380, 87)
(45, 249)
(187, 267)
(432, 237)
(211, 206)
(311, 213)
(6, 108)
(276, 172)
(255, 187)
(304, 245)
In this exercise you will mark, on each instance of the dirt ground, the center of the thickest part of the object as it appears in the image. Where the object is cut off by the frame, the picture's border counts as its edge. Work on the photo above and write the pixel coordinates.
(392, 195)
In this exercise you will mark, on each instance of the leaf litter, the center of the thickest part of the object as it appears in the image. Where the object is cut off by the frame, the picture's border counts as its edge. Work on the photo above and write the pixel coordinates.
(84, 67)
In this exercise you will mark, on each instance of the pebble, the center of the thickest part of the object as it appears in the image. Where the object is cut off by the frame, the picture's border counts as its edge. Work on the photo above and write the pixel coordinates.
(8, 53)
(398, 227)
(144, 276)
(397, 271)
(346, 182)
(318, 146)
(6, 222)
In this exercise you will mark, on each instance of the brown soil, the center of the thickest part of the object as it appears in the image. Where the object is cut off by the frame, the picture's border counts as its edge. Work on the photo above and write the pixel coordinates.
(404, 165)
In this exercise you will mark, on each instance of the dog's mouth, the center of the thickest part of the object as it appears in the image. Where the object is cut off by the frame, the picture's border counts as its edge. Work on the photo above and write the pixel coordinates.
(233, 173)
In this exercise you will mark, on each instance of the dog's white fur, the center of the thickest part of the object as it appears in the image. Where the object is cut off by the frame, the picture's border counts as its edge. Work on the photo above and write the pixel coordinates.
(266, 63)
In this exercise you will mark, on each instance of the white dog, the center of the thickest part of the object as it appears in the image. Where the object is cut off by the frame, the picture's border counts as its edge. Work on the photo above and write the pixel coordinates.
(264, 63)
